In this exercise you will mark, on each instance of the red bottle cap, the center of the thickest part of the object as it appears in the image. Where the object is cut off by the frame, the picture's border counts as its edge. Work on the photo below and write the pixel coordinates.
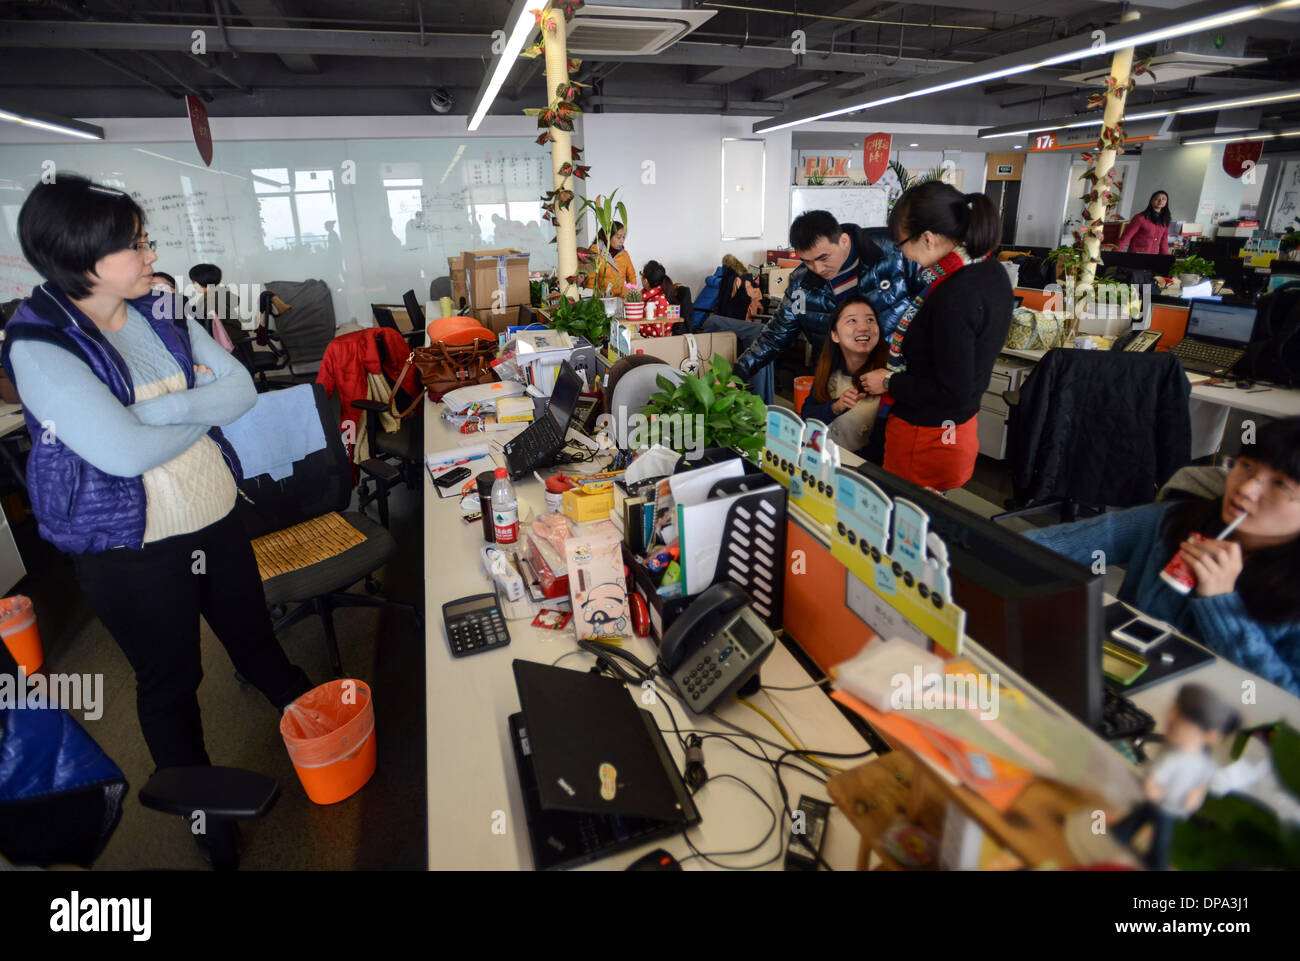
(500, 472)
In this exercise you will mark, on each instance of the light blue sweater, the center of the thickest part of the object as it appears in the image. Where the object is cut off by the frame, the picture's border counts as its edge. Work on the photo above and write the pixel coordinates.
(62, 391)
(1133, 538)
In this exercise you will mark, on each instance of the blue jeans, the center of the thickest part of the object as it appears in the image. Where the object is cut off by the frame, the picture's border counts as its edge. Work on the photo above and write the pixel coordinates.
(763, 380)
(1157, 858)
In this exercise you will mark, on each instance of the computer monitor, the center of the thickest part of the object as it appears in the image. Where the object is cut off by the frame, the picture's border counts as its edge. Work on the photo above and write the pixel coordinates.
(1039, 613)
(1221, 323)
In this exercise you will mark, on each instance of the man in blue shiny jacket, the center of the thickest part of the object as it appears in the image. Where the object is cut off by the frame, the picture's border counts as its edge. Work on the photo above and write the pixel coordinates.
(838, 260)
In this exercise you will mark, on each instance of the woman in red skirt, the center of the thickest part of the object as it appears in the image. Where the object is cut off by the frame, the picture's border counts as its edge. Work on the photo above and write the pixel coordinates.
(942, 352)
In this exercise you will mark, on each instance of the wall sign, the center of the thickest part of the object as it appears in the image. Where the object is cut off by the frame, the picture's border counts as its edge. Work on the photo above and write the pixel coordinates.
(1005, 170)
(875, 156)
(1240, 156)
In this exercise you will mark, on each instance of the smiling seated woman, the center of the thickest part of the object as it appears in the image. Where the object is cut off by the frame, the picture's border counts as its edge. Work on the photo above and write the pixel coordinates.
(837, 397)
(1246, 603)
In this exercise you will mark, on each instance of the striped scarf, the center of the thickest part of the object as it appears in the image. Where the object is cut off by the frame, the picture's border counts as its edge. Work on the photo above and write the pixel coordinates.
(932, 276)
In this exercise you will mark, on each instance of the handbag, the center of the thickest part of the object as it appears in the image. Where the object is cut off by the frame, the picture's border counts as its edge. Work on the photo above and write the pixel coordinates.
(1034, 330)
(444, 367)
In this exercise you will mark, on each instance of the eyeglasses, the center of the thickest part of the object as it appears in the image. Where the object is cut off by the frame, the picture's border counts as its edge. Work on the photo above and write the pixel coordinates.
(140, 246)
(1279, 491)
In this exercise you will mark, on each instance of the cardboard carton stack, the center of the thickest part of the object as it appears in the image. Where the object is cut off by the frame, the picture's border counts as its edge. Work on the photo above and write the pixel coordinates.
(493, 282)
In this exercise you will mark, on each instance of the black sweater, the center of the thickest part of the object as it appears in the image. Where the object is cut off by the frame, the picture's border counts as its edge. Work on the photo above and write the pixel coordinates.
(951, 345)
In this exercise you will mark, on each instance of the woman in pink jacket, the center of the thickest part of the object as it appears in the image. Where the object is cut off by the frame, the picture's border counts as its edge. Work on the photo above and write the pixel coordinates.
(1149, 230)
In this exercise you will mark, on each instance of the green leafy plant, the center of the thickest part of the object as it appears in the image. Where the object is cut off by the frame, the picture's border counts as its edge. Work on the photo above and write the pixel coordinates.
(816, 179)
(732, 416)
(1235, 832)
(579, 318)
(605, 211)
(1193, 265)
(1069, 260)
(1290, 241)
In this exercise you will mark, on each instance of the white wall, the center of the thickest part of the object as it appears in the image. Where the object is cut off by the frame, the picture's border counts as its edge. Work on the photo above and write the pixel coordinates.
(1043, 186)
(1180, 172)
(675, 216)
(1220, 194)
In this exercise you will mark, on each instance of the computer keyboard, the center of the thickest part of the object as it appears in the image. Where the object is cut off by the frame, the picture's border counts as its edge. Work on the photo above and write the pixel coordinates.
(1121, 718)
(1206, 358)
(536, 443)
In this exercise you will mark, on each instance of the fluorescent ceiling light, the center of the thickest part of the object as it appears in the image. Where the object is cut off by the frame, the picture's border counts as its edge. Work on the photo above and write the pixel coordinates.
(1165, 110)
(55, 124)
(914, 145)
(1199, 17)
(1249, 135)
(521, 16)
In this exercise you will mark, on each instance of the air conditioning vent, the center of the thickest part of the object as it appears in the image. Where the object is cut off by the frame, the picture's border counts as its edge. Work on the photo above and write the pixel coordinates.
(630, 30)
(1169, 67)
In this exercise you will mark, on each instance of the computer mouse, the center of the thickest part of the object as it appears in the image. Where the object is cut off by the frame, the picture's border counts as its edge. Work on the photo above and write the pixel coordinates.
(656, 860)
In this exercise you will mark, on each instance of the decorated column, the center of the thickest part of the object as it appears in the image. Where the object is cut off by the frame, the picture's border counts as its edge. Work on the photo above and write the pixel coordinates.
(562, 156)
(1104, 193)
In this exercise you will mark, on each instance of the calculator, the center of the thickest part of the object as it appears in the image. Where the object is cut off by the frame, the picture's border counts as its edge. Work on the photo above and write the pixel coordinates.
(474, 624)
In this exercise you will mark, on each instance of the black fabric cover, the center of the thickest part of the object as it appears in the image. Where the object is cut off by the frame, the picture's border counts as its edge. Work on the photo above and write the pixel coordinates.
(1100, 428)
(306, 330)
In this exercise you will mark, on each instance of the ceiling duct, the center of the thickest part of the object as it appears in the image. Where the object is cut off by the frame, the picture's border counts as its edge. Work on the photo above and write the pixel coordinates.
(631, 28)
(1169, 68)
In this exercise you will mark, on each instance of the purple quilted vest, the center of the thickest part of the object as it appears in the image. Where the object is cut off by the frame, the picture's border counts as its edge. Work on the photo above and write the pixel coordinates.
(79, 508)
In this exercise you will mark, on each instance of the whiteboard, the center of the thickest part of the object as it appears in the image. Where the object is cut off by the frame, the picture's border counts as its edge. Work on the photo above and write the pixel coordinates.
(743, 167)
(372, 218)
(864, 206)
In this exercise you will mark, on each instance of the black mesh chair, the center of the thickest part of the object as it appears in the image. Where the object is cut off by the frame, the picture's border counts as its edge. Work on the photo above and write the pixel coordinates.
(305, 518)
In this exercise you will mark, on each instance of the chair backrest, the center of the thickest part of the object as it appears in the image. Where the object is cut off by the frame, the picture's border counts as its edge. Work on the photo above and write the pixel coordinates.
(683, 294)
(413, 309)
(383, 316)
(321, 482)
(306, 330)
(630, 389)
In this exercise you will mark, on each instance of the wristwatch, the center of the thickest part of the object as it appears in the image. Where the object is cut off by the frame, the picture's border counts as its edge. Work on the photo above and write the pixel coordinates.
(888, 377)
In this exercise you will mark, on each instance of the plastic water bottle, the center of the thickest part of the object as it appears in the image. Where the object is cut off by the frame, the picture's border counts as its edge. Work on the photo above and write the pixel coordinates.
(505, 509)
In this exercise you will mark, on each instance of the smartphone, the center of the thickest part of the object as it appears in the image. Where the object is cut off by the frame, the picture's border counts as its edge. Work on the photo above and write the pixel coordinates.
(1140, 634)
(452, 477)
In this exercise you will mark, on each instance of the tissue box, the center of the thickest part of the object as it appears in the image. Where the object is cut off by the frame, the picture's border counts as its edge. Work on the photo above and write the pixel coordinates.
(582, 506)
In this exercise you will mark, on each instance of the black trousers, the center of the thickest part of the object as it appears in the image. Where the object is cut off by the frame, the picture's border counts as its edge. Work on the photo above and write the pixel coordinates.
(150, 601)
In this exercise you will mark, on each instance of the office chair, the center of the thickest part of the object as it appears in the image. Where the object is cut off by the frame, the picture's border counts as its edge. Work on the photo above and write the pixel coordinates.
(384, 317)
(61, 796)
(310, 548)
(306, 330)
(632, 382)
(259, 363)
(1094, 429)
(439, 287)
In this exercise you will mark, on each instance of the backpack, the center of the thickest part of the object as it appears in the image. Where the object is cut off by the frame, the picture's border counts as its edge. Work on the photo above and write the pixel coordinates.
(1274, 352)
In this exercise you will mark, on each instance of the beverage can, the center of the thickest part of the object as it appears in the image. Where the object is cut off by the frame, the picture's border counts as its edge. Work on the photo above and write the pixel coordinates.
(1178, 574)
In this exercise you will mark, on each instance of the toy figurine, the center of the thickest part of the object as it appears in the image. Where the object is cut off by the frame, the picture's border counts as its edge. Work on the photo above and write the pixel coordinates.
(1177, 782)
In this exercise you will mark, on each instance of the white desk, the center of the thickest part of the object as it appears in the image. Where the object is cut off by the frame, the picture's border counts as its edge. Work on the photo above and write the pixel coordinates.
(471, 767)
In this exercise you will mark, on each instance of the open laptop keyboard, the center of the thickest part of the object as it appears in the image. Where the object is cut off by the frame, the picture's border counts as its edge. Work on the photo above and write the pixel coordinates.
(1206, 358)
(539, 440)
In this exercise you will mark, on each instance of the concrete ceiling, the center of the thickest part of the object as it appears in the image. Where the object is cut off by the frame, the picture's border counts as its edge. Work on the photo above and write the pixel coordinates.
(106, 58)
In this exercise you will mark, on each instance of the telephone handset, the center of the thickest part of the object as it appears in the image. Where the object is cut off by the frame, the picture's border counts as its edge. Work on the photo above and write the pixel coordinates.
(715, 646)
(1136, 340)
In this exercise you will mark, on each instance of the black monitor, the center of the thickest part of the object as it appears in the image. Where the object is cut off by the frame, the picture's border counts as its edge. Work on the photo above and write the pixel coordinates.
(1155, 263)
(1037, 612)
(1221, 322)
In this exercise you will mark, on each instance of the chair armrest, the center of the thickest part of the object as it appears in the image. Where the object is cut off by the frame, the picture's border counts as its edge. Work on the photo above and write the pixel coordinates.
(1012, 397)
(221, 792)
(366, 404)
(380, 470)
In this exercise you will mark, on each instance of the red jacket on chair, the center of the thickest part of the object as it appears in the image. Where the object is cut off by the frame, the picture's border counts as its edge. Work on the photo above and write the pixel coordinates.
(347, 361)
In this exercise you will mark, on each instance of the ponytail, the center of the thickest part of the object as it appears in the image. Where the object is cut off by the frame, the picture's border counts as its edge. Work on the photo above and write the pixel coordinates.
(969, 219)
(985, 225)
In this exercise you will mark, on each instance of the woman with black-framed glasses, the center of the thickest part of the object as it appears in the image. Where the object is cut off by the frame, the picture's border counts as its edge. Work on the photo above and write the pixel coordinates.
(1246, 602)
(129, 472)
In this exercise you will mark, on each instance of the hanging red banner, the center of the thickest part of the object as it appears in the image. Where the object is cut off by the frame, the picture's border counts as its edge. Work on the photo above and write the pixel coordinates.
(875, 156)
(199, 124)
(1240, 156)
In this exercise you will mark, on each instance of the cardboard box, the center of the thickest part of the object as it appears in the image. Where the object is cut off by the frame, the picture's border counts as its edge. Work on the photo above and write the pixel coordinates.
(674, 350)
(583, 507)
(489, 271)
(497, 320)
(459, 293)
(778, 280)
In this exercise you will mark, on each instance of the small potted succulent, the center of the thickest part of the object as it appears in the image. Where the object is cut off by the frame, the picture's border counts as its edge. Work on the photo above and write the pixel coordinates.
(1192, 270)
(633, 305)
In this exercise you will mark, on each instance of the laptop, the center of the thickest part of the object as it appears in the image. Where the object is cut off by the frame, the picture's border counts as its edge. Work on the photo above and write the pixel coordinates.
(1217, 336)
(537, 446)
(596, 774)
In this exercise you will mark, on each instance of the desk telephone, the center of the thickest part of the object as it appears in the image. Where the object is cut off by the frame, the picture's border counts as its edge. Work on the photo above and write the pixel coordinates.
(715, 646)
(1136, 340)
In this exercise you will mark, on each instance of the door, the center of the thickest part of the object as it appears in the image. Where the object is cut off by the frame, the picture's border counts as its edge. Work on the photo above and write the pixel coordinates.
(1005, 195)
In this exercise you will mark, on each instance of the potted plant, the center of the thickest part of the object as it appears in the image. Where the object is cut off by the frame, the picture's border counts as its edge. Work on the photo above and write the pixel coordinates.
(1192, 270)
(1289, 247)
(605, 211)
(633, 305)
(579, 318)
(721, 413)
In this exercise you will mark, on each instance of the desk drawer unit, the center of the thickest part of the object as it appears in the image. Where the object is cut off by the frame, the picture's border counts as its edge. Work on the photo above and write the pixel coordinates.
(991, 426)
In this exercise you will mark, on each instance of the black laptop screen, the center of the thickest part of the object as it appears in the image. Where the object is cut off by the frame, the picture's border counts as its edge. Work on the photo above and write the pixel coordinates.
(564, 396)
(1231, 323)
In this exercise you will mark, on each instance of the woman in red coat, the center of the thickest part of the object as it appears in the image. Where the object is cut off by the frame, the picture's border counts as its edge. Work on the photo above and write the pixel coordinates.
(1149, 230)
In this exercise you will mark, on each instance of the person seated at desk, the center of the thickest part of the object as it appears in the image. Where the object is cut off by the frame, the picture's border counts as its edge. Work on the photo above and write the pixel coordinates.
(837, 398)
(1246, 603)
